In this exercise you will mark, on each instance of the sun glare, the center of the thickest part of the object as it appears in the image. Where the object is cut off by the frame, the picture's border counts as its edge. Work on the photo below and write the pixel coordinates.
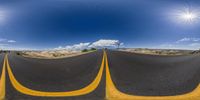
(187, 16)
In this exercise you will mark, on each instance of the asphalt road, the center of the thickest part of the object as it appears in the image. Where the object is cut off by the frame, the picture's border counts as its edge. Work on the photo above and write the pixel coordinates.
(55, 75)
(134, 74)
(1, 62)
(154, 75)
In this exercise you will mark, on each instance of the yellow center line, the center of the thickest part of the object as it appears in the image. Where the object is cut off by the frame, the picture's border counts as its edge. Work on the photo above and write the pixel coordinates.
(2, 81)
(91, 87)
(112, 93)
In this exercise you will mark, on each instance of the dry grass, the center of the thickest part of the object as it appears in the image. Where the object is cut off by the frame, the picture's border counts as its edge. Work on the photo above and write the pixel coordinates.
(157, 51)
(51, 54)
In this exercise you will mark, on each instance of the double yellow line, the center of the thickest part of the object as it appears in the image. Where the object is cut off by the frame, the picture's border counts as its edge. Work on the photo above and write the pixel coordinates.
(112, 93)
(22, 89)
(91, 87)
(3, 81)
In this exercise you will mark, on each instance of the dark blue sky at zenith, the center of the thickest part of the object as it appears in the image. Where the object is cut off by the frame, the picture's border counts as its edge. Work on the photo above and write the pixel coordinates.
(41, 24)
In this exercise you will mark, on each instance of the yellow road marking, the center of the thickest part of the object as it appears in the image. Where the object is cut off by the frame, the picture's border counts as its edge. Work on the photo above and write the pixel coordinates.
(2, 81)
(91, 87)
(112, 93)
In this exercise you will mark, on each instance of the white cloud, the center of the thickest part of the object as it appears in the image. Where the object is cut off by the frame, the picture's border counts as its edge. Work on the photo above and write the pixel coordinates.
(2, 17)
(97, 44)
(59, 48)
(185, 43)
(6, 40)
(172, 46)
(11, 41)
(106, 43)
(79, 46)
(3, 44)
(195, 45)
(188, 40)
(2, 40)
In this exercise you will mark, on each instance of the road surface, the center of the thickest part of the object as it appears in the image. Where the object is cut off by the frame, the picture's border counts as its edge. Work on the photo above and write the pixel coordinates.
(131, 74)
(57, 75)
(154, 75)
(1, 62)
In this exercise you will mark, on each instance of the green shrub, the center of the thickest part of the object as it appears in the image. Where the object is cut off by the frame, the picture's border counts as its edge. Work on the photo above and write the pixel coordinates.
(85, 50)
(93, 49)
(18, 53)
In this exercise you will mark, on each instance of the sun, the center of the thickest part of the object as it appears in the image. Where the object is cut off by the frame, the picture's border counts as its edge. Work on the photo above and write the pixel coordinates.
(188, 16)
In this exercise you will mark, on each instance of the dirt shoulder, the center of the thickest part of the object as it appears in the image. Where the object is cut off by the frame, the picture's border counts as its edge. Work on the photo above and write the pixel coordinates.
(164, 52)
(51, 54)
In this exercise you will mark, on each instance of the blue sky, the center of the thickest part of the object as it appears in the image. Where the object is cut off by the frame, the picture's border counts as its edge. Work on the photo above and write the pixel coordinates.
(45, 24)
